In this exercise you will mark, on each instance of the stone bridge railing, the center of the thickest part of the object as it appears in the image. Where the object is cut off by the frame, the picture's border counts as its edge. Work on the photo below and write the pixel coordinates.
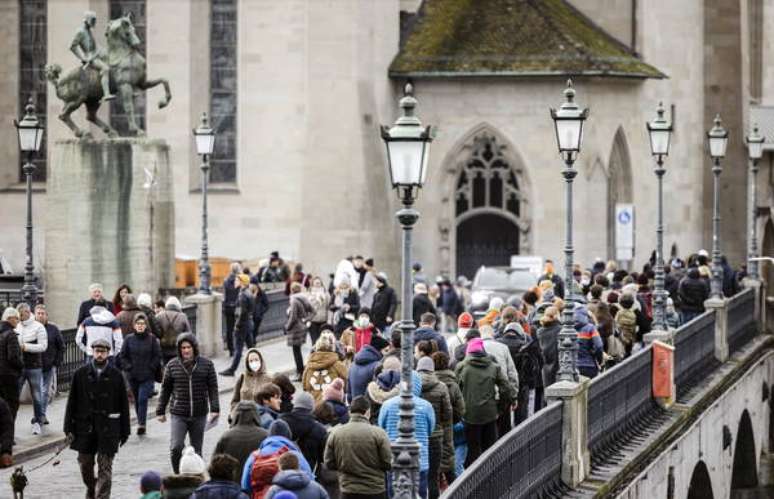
(586, 424)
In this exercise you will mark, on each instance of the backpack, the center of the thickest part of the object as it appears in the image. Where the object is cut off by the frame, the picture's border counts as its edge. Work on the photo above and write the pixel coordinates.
(647, 299)
(168, 338)
(626, 320)
(528, 367)
(263, 471)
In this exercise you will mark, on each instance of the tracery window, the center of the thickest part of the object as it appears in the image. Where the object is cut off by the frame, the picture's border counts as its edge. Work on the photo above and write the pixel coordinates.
(223, 89)
(33, 41)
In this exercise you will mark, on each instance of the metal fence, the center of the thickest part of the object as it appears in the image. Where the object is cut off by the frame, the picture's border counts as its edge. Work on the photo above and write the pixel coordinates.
(618, 398)
(741, 319)
(73, 359)
(526, 462)
(694, 349)
(12, 297)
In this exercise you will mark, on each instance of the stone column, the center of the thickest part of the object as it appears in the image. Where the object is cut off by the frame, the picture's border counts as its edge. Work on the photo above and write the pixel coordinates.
(720, 306)
(760, 297)
(576, 459)
(208, 322)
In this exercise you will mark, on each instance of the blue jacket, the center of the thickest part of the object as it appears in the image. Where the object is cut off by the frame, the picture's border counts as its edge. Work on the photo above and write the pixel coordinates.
(297, 482)
(266, 416)
(362, 371)
(270, 445)
(424, 420)
(427, 334)
(590, 346)
(218, 489)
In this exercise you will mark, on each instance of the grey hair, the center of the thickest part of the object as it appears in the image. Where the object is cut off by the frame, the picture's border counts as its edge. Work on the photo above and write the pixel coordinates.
(236, 268)
(10, 312)
(144, 300)
(95, 286)
(173, 303)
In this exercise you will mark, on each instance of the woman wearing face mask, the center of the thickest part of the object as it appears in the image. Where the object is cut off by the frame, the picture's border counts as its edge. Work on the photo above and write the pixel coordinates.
(320, 300)
(363, 329)
(250, 381)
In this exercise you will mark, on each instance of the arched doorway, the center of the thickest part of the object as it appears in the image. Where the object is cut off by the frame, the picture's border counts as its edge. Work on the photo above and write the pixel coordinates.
(744, 473)
(619, 186)
(701, 483)
(489, 204)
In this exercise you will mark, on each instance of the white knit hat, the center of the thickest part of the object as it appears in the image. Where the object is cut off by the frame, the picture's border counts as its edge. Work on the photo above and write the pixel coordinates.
(191, 463)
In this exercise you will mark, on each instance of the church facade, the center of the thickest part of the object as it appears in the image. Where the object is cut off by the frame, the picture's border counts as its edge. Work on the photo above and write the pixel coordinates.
(296, 90)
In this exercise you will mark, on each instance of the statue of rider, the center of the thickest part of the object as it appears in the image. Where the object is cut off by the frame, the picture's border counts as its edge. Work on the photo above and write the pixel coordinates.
(85, 49)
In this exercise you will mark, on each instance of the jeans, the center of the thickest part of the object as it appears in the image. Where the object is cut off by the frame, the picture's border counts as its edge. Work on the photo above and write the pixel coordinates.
(436, 451)
(99, 487)
(240, 336)
(299, 359)
(479, 437)
(35, 377)
(142, 392)
(229, 317)
(48, 376)
(179, 427)
(460, 454)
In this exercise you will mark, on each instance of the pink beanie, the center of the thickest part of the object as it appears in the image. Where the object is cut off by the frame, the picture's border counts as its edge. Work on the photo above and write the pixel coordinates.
(475, 345)
(334, 391)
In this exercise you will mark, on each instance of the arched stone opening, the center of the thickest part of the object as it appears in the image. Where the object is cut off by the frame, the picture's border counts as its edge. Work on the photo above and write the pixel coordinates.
(701, 483)
(619, 186)
(744, 474)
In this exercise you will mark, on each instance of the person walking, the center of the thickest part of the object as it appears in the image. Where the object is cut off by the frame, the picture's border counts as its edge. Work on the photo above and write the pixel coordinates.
(261, 306)
(290, 478)
(52, 358)
(33, 341)
(385, 386)
(192, 380)
(455, 428)
(502, 356)
(223, 470)
(524, 350)
(96, 298)
(299, 313)
(127, 314)
(367, 282)
(323, 367)
(172, 323)
(385, 303)
(421, 303)
(426, 332)
(243, 326)
(437, 394)
(362, 371)
(96, 419)
(145, 304)
(590, 348)
(141, 361)
(360, 453)
(119, 298)
(230, 297)
(268, 401)
(346, 304)
(101, 324)
(321, 302)
(307, 431)
(693, 291)
(245, 434)
(250, 380)
(11, 363)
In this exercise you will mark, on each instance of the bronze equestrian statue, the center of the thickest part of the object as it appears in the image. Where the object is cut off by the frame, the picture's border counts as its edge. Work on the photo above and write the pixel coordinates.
(121, 70)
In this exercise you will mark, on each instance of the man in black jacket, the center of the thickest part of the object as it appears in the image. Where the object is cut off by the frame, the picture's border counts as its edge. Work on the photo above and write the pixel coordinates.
(243, 326)
(97, 418)
(230, 295)
(385, 303)
(693, 292)
(11, 364)
(421, 303)
(307, 432)
(52, 358)
(84, 311)
(194, 383)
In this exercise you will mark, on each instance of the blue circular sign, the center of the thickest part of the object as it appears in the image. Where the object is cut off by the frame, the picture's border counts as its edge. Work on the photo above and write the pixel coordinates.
(624, 217)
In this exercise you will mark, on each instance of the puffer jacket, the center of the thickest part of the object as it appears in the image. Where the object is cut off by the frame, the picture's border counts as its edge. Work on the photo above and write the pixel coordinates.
(437, 394)
(480, 378)
(141, 356)
(362, 371)
(693, 292)
(446, 377)
(297, 482)
(299, 312)
(249, 382)
(10, 352)
(320, 371)
(424, 420)
(590, 345)
(269, 446)
(195, 392)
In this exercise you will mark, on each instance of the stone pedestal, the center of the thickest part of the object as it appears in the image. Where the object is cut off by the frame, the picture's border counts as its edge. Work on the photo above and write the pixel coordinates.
(720, 306)
(208, 322)
(109, 219)
(760, 305)
(576, 459)
(659, 335)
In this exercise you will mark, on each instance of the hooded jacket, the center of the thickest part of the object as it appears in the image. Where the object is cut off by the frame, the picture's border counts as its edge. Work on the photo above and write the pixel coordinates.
(32, 334)
(590, 345)
(320, 371)
(548, 336)
(249, 382)
(480, 378)
(141, 356)
(437, 394)
(308, 433)
(424, 420)
(428, 334)
(218, 489)
(526, 354)
(10, 353)
(362, 371)
(297, 482)
(195, 391)
(377, 394)
(270, 445)
(84, 310)
(385, 304)
(244, 436)
(299, 312)
(447, 377)
(101, 324)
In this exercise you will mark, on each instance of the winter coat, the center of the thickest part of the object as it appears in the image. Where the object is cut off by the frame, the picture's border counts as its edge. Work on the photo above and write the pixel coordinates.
(502, 355)
(548, 336)
(340, 410)
(219, 489)
(309, 434)
(299, 312)
(480, 378)
(261, 306)
(321, 301)
(266, 416)
(230, 292)
(377, 397)
(297, 482)
(626, 321)
(385, 304)
(54, 354)
(605, 321)
(693, 292)
(101, 325)
(446, 377)
(435, 392)
(97, 412)
(249, 382)
(730, 282)
(320, 371)
(141, 356)
(10, 352)
(270, 445)
(428, 334)
(421, 304)
(244, 312)
(362, 371)
(153, 323)
(361, 454)
(424, 421)
(195, 392)
(590, 345)
(180, 486)
(172, 323)
(33, 337)
(126, 317)
(526, 355)
(450, 302)
(244, 436)
(84, 310)
(367, 290)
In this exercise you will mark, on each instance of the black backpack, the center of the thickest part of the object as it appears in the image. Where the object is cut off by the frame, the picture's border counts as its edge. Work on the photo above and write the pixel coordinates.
(528, 367)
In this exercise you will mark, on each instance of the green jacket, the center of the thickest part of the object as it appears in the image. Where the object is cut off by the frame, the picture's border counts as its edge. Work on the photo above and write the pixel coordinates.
(361, 454)
(480, 378)
(437, 394)
(458, 410)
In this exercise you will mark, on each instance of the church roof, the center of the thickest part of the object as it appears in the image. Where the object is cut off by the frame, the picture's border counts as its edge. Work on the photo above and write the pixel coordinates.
(451, 38)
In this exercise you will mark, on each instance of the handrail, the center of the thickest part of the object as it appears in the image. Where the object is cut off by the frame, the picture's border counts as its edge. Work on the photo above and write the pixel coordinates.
(694, 348)
(741, 319)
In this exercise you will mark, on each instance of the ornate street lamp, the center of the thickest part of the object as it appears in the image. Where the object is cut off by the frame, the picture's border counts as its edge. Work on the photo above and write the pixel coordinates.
(30, 133)
(718, 142)
(408, 146)
(660, 132)
(755, 153)
(568, 123)
(205, 142)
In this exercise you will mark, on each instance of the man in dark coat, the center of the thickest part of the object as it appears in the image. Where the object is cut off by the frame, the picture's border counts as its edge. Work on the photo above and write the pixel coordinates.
(385, 303)
(693, 292)
(245, 435)
(97, 418)
(230, 298)
(243, 325)
(421, 303)
(309, 434)
(426, 332)
(84, 311)
(11, 364)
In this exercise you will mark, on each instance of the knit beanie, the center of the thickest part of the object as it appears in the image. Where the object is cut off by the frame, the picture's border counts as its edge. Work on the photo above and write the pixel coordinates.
(303, 400)
(387, 380)
(426, 364)
(465, 320)
(191, 463)
(391, 363)
(334, 391)
(281, 429)
(475, 345)
(150, 481)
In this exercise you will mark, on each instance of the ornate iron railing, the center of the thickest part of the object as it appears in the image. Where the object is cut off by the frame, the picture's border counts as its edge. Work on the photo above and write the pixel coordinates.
(618, 398)
(73, 359)
(526, 462)
(694, 348)
(741, 319)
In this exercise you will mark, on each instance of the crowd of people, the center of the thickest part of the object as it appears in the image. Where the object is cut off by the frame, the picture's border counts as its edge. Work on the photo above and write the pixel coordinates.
(328, 430)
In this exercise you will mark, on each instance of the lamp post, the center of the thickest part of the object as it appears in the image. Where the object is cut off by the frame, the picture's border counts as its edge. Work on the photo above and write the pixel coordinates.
(205, 142)
(718, 142)
(30, 133)
(568, 123)
(408, 146)
(755, 153)
(660, 131)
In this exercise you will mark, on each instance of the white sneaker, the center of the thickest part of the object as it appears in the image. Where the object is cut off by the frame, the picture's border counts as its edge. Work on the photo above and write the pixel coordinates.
(35, 429)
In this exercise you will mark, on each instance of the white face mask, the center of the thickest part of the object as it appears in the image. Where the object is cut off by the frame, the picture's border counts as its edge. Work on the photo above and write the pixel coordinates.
(364, 322)
(254, 365)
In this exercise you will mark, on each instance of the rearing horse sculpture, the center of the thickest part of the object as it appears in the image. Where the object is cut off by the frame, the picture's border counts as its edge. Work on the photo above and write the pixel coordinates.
(127, 75)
